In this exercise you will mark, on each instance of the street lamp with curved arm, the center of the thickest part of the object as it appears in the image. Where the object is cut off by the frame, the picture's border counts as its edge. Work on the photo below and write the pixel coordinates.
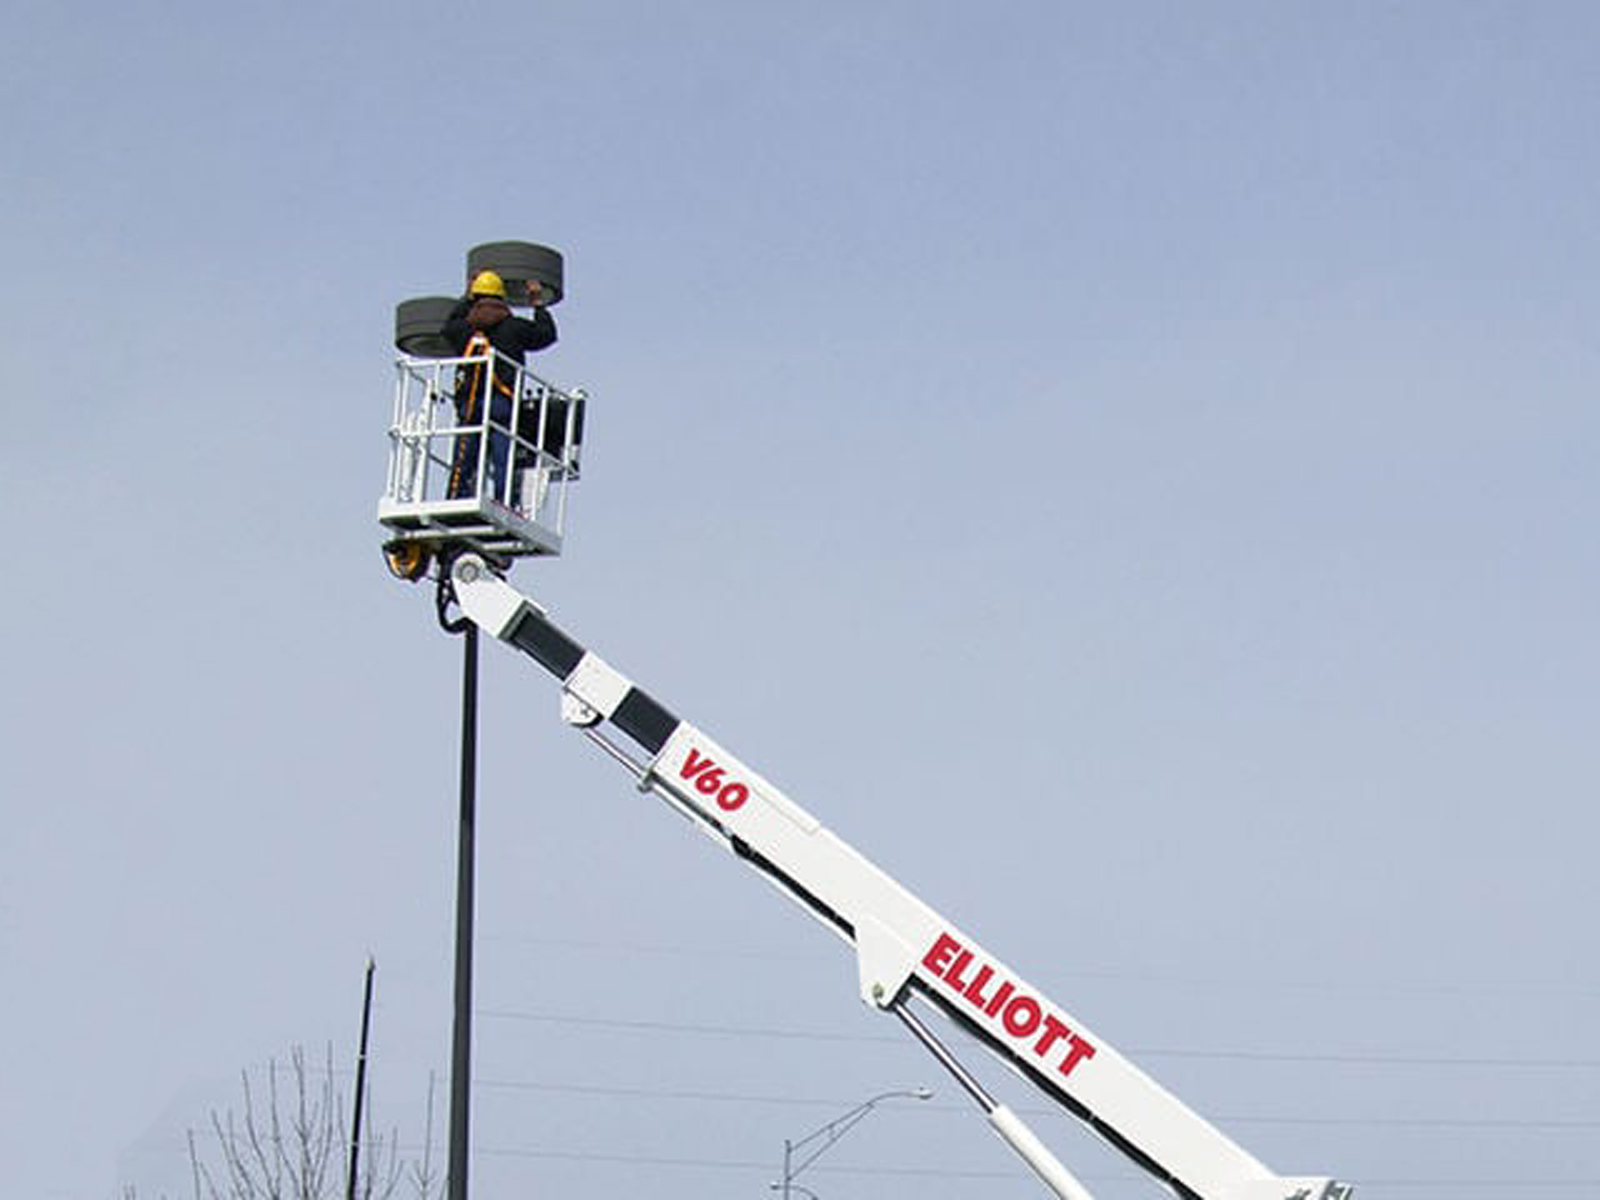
(832, 1132)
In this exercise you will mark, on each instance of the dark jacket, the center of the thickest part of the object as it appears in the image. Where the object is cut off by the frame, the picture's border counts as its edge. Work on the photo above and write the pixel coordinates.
(513, 336)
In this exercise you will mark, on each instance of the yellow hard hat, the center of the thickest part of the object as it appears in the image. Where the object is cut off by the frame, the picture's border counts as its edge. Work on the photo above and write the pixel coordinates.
(487, 283)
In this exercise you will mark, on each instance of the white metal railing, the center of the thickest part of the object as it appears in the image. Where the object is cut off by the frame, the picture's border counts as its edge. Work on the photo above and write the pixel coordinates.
(481, 440)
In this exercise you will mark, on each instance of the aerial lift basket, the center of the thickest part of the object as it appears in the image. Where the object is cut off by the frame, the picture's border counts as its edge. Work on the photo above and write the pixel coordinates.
(495, 482)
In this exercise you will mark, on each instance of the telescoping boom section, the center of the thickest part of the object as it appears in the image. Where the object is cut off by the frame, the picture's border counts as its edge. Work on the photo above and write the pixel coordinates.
(904, 948)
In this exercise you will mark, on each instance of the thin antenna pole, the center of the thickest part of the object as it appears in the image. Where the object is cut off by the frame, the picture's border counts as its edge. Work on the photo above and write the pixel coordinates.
(361, 1085)
(461, 1042)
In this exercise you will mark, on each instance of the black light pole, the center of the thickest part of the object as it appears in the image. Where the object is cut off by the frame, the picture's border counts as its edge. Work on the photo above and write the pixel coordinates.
(361, 1086)
(536, 272)
(461, 1040)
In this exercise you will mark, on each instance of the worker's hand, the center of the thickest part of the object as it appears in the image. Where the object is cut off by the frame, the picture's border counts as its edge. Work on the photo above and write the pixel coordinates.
(535, 293)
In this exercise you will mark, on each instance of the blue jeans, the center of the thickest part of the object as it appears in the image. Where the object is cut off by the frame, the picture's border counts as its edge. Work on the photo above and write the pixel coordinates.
(464, 468)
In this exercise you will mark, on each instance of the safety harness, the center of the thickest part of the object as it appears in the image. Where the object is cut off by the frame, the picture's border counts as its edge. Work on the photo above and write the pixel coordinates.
(479, 347)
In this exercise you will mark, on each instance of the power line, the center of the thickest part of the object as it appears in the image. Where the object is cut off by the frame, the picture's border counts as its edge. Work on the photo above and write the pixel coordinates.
(742, 1164)
(646, 1160)
(686, 1027)
(641, 1093)
(1231, 983)
(1529, 1124)
(728, 1164)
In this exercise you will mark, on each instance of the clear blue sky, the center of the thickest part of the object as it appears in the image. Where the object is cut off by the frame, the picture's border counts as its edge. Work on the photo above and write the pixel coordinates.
(1130, 469)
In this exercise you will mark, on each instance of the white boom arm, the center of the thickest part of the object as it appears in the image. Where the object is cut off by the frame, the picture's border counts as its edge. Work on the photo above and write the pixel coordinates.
(902, 945)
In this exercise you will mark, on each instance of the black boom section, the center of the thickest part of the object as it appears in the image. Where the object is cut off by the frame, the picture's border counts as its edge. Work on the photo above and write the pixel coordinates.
(554, 650)
(639, 715)
(644, 720)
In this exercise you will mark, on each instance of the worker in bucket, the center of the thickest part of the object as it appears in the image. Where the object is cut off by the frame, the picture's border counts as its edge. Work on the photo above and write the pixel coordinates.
(481, 322)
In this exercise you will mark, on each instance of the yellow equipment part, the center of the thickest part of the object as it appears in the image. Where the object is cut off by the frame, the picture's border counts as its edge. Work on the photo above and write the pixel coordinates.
(407, 560)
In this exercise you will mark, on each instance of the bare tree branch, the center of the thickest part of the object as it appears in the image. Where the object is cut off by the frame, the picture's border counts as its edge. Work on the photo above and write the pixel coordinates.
(291, 1145)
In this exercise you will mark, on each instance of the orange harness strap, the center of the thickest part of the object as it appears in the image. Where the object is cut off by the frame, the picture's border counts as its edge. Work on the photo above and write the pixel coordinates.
(478, 346)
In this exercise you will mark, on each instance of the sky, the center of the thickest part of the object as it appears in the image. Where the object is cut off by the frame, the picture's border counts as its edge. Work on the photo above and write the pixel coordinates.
(1127, 469)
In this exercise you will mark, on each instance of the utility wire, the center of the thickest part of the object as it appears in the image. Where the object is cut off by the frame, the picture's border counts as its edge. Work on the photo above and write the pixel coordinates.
(584, 1089)
(645, 1160)
(708, 1097)
(1230, 983)
(1138, 1052)
(1511, 1186)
